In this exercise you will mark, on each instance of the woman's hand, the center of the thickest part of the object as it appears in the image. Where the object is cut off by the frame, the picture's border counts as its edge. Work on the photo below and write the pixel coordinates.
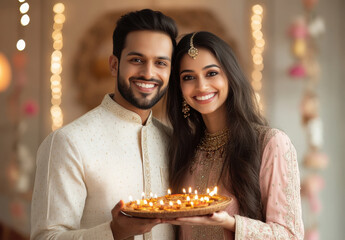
(221, 218)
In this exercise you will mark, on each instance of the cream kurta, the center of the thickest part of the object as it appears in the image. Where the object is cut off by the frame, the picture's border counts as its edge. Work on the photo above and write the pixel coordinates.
(86, 167)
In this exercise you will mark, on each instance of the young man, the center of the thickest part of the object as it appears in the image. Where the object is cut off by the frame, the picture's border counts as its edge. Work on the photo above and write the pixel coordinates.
(116, 150)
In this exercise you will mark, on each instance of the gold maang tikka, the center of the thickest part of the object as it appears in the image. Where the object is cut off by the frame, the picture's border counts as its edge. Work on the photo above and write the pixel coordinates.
(192, 52)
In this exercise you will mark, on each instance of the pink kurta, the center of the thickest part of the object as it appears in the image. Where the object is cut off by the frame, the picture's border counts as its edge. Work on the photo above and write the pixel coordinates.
(280, 193)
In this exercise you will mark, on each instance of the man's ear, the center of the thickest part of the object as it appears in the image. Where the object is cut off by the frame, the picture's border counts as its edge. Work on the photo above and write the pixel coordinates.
(113, 65)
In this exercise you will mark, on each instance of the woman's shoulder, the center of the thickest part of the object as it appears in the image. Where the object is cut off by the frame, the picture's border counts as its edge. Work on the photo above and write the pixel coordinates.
(266, 134)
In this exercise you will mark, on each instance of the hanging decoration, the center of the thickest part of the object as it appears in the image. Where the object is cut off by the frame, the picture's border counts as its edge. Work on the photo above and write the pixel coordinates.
(56, 66)
(257, 50)
(304, 32)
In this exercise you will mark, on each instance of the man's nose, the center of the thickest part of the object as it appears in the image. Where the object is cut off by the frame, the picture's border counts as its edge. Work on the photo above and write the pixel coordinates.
(147, 70)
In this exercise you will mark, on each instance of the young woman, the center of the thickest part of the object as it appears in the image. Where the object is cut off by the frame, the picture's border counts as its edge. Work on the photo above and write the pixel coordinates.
(220, 139)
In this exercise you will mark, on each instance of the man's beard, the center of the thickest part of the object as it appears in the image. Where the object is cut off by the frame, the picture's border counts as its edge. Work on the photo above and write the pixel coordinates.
(143, 102)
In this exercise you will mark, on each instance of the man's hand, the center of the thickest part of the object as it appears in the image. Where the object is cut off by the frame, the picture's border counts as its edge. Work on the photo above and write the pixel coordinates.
(124, 227)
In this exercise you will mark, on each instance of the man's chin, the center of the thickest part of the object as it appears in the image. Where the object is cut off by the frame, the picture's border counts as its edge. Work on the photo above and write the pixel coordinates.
(144, 105)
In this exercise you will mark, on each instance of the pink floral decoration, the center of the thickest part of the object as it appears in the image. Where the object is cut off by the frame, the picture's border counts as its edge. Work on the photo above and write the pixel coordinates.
(315, 160)
(312, 234)
(309, 4)
(299, 29)
(297, 71)
(30, 108)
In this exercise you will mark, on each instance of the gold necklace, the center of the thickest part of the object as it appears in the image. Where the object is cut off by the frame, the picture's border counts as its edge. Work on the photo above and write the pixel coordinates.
(211, 142)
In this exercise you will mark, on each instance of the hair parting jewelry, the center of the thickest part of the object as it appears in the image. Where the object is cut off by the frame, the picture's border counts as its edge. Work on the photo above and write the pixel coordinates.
(185, 109)
(192, 52)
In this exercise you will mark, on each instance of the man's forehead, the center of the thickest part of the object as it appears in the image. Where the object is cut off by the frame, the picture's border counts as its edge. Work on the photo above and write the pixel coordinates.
(146, 42)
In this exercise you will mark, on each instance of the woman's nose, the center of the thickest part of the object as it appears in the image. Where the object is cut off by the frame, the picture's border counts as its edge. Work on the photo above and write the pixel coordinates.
(201, 84)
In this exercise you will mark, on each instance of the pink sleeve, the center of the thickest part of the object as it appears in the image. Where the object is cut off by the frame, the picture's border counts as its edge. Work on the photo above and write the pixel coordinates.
(280, 193)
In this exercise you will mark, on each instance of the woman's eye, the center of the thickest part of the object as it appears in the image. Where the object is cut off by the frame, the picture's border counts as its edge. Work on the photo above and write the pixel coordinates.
(211, 74)
(187, 77)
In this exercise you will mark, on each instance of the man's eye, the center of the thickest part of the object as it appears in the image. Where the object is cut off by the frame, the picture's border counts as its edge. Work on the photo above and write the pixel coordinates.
(187, 77)
(162, 63)
(136, 60)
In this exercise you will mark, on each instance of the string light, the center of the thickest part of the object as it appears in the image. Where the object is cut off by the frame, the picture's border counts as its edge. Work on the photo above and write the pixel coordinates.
(21, 45)
(56, 66)
(24, 8)
(24, 21)
(257, 50)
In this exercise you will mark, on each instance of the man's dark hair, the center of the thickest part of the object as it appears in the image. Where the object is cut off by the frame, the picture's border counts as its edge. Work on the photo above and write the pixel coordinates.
(145, 19)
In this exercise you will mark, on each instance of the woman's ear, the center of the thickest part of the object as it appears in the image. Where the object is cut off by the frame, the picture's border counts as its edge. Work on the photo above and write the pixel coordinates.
(113, 65)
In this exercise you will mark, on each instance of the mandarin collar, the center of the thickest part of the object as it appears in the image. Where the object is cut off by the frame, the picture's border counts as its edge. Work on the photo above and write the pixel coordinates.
(112, 106)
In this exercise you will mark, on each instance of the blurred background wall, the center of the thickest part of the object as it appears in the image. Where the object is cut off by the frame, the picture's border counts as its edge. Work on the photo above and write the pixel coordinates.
(25, 105)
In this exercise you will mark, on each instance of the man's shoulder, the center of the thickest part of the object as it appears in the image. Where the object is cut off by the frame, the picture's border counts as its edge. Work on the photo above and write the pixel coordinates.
(86, 119)
(86, 123)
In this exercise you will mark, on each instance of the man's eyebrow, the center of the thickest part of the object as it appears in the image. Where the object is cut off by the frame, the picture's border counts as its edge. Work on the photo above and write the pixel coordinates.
(142, 55)
(164, 58)
(135, 53)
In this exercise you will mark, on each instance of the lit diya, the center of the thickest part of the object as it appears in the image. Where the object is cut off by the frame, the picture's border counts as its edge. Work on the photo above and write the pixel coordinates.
(177, 205)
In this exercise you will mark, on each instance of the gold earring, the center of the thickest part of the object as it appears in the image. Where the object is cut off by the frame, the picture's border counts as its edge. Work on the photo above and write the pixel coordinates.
(185, 109)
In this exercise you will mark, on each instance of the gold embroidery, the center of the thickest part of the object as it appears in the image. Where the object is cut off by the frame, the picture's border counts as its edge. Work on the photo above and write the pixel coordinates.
(292, 191)
(147, 172)
(207, 173)
(146, 163)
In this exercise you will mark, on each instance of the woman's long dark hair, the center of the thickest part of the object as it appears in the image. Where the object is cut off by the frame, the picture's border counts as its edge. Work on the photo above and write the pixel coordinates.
(243, 159)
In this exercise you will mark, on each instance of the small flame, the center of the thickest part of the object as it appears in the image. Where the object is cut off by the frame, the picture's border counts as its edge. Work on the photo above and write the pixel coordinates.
(215, 190)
